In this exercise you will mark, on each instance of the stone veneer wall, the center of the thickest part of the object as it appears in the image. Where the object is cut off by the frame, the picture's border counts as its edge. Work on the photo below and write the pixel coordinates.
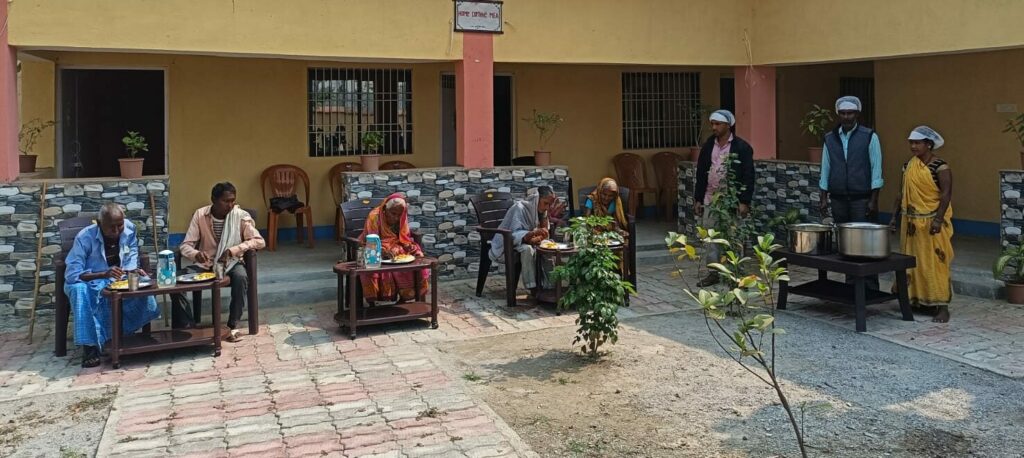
(1011, 200)
(440, 209)
(780, 186)
(19, 226)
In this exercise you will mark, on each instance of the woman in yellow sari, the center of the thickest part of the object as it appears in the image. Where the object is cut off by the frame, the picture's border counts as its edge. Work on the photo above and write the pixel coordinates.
(923, 207)
(605, 201)
(391, 222)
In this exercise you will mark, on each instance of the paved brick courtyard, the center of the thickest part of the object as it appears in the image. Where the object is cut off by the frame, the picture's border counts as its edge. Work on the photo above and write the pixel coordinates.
(301, 388)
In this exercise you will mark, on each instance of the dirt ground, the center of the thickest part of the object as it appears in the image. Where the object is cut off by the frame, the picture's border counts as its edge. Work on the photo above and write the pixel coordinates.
(666, 390)
(74, 420)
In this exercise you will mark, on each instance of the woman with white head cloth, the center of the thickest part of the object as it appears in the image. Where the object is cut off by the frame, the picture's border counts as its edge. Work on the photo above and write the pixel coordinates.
(923, 208)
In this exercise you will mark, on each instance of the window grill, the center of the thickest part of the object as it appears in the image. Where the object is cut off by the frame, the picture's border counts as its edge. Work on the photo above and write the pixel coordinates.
(660, 110)
(345, 103)
(863, 89)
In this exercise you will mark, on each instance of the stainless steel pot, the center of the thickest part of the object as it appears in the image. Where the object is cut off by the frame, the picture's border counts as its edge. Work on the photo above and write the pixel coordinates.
(809, 238)
(864, 240)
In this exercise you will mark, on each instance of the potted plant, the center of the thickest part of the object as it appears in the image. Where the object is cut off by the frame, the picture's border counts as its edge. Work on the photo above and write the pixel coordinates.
(817, 123)
(546, 125)
(1016, 127)
(1013, 256)
(131, 166)
(372, 142)
(698, 120)
(27, 138)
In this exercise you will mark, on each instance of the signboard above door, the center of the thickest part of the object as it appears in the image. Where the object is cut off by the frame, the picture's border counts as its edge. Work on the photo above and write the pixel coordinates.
(478, 16)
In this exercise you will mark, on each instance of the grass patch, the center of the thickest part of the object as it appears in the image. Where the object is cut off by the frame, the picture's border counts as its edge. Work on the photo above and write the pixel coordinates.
(99, 403)
(432, 412)
(471, 377)
(71, 453)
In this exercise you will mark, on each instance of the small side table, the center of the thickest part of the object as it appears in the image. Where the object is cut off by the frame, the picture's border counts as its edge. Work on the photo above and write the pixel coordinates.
(351, 314)
(168, 338)
(552, 296)
(858, 294)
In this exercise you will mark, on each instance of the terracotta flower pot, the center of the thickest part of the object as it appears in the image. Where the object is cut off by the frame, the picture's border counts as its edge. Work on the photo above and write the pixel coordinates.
(694, 153)
(1015, 293)
(131, 167)
(27, 163)
(814, 154)
(542, 157)
(371, 162)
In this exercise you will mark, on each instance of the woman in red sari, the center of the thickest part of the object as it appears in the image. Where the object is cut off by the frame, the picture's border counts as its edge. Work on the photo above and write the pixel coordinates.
(391, 222)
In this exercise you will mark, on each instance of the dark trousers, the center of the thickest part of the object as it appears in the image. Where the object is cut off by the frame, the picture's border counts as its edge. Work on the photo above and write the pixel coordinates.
(181, 311)
(853, 211)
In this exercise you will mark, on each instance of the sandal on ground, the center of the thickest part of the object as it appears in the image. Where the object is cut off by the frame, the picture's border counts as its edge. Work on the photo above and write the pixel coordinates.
(234, 335)
(90, 356)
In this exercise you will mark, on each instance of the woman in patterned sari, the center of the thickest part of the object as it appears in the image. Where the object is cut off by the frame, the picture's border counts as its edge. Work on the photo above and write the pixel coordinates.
(605, 201)
(924, 210)
(391, 222)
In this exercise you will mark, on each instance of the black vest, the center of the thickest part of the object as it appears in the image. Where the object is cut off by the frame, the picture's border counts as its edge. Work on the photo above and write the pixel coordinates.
(849, 174)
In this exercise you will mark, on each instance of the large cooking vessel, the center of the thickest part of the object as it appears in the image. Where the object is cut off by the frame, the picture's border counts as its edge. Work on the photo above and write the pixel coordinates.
(864, 240)
(809, 238)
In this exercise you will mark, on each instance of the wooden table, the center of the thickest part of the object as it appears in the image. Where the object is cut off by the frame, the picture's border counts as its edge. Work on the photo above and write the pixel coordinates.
(168, 338)
(551, 296)
(856, 294)
(348, 303)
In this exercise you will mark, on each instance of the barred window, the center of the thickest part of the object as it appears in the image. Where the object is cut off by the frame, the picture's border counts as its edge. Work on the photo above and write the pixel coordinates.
(661, 110)
(346, 103)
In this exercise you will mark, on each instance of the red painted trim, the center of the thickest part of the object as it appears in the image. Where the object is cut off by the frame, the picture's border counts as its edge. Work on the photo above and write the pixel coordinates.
(755, 109)
(8, 103)
(474, 102)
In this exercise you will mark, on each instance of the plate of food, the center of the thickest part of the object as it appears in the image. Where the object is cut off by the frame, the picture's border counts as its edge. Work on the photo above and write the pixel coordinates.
(122, 285)
(197, 277)
(400, 259)
(553, 245)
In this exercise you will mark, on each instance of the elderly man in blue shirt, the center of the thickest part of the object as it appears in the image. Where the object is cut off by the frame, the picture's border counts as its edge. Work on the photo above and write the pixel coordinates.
(104, 253)
(851, 169)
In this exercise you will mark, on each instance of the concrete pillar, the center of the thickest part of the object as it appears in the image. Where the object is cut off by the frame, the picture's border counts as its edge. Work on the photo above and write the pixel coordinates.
(474, 101)
(8, 103)
(755, 109)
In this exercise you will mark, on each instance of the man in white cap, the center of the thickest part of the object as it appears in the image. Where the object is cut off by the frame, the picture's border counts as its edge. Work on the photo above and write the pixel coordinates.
(851, 169)
(712, 176)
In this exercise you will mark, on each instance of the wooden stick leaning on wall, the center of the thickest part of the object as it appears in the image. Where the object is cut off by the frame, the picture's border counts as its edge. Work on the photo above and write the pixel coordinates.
(39, 260)
(156, 252)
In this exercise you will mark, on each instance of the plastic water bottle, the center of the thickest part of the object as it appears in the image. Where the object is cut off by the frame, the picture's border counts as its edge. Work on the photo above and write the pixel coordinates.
(166, 271)
(372, 252)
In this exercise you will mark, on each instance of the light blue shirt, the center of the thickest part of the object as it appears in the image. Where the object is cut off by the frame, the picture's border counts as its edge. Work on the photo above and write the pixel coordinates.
(874, 156)
(590, 205)
(87, 255)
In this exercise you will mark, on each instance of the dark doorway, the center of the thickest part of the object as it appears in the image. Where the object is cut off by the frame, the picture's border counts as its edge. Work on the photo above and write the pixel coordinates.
(503, 120)
(98, 107)
(727, 94)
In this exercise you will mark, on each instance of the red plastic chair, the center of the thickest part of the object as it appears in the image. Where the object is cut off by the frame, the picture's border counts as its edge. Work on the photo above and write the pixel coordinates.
(631, 171)
(282, 179)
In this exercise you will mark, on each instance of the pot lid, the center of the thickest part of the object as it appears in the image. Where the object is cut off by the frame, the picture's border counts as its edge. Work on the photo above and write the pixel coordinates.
(863, 226)
(809, 227)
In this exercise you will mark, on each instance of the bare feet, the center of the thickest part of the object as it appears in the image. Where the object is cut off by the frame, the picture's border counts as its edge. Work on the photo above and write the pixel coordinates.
(942, 316)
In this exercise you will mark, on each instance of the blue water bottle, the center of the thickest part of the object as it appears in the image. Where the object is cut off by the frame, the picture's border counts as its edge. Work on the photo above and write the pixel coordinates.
(372, 252)
(167, 270)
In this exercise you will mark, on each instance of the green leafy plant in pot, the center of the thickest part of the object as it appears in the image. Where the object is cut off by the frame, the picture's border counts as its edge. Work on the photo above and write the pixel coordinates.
(698, 115)
(27, 138)
(1015, 126)
(816, 123)
(1013, 258)
(131, 166)
(546, 124)
(371, 141)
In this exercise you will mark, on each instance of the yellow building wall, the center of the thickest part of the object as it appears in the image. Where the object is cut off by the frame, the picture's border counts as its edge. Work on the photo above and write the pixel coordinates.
(354, 29)
(229, 119)
(590, 100)
(798, 89)
(655, 32)
(36, 94)
(804, 31)
(957, 96)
